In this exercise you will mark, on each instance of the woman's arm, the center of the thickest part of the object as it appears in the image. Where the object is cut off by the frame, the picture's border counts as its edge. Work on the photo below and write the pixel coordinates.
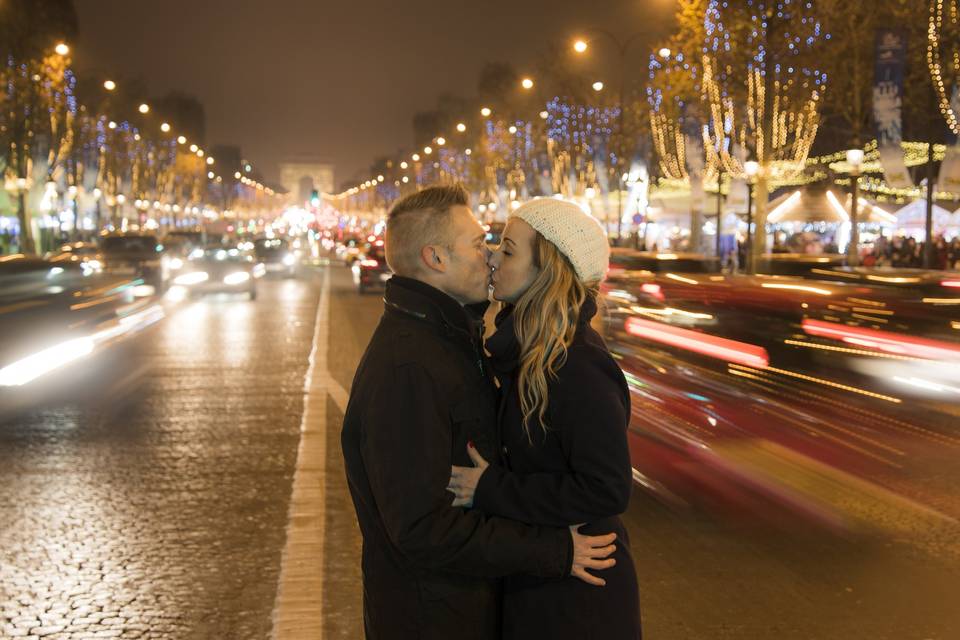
(591, 420)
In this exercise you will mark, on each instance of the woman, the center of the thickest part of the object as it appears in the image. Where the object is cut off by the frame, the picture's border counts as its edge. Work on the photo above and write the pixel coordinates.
(563, 423)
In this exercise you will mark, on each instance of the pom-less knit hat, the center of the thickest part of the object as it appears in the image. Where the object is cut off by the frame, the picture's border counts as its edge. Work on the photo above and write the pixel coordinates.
(576, 234)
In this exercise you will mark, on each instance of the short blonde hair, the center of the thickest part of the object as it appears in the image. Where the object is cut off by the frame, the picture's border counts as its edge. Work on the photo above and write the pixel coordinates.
(420, 219)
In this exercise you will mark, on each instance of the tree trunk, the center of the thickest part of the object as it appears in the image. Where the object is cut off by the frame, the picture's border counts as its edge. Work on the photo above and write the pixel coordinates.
(760, 198)
(26, 232)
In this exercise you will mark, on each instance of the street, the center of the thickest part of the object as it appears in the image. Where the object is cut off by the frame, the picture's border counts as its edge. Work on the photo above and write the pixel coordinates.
(151, 501)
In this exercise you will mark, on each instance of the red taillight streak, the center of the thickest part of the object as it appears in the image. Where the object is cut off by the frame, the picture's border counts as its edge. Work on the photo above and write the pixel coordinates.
(703, 343)
(883, 340)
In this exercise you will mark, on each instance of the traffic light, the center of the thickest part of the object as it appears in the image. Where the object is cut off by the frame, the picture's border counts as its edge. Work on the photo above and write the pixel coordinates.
(315, 198)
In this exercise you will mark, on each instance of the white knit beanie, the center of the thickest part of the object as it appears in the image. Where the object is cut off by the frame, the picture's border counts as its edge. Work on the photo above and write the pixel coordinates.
(578, 235)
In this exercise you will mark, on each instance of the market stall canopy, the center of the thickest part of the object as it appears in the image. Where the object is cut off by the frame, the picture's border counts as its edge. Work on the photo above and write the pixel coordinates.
(674, 208)
(914, 216)
(819, 205)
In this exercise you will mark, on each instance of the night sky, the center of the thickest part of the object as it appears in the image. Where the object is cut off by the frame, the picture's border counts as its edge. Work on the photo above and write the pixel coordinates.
(339, 81)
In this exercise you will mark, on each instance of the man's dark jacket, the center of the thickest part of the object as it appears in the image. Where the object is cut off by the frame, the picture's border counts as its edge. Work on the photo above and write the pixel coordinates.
(421, 392)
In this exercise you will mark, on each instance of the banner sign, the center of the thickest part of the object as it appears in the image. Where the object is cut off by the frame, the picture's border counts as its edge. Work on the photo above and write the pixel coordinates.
(888, 105)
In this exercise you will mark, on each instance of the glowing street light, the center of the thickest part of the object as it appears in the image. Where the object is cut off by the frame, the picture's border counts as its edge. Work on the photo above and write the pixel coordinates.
(112, 125)
(165, 127)
(237, 175)
(62, 49)
(512, 129)
(544, 115)
(665, 52)
(461, 127)
(182, 140)
(210, 160)
(580, 46)
(428, 150)
(526, 83)
(109, 85)
(485, 112)
(194, 148)
(144, 108)
(404, 165)
(380, 178)
(415, 157)
(598, 86)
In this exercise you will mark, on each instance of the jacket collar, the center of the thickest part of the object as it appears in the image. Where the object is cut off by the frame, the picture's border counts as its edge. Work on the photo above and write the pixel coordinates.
(419, 300)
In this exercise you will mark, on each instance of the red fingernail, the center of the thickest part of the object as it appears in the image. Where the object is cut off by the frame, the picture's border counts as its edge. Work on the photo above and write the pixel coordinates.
(470, 444)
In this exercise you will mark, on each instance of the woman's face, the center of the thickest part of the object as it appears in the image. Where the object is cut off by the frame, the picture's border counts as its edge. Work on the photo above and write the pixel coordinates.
(512, 262)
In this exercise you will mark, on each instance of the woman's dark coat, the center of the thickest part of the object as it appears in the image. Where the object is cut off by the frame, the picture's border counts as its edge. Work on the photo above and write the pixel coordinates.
(578, 471)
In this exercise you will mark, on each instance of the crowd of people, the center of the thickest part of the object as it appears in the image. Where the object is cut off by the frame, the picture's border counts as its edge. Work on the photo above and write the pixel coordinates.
(908, 253)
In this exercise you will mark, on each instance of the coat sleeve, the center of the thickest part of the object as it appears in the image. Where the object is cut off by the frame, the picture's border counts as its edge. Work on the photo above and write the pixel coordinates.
(406, 451)
(591, 416)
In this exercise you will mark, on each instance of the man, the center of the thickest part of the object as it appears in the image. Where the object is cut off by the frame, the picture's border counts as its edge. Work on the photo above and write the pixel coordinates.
(422, 393)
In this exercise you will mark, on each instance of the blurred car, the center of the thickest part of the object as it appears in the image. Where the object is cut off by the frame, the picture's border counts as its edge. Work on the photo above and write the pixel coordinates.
(54, 314)
(922, 282)
(349, 250)
(86, 254)
(622, 259)
(139, 255)
(180, 244)
(798, 264)
(220, 269)
(277, 256)
(759, 396)
(371, 271)
(494, 233)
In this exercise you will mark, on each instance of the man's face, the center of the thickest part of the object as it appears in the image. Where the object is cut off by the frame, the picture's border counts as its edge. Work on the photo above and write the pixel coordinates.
(467, 278)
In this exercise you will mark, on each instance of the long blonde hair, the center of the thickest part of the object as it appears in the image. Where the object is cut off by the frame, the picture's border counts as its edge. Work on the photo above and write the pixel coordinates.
(545, 321)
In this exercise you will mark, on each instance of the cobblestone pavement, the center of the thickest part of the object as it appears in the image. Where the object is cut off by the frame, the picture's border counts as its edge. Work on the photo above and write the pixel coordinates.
(150, 502)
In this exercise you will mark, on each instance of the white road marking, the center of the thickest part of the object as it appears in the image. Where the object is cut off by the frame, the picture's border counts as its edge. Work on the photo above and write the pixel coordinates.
(298, 610)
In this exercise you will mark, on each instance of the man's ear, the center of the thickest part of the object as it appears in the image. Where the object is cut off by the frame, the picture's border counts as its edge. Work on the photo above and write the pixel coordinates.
(433, 258)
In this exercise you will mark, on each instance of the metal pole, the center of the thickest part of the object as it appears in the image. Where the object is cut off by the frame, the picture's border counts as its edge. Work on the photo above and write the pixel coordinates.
(620, 141)
(928, 253)
(853, 254)
(749, 244)
(719, 211)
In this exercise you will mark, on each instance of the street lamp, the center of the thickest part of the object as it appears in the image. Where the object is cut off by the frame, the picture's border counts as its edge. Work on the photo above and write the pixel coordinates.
(441, 141)
(165, 127)
(527, 83)
(544, 115)
(109, 85)
(598, 86)
(623, 47)
(182, 140)
(485, 112)
(855, 160)
(664, 52)
(750, 168)
(62, 49)
(144, 108)
(461, 127)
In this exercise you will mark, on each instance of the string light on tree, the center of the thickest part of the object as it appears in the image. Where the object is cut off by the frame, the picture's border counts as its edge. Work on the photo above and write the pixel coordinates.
(943, 57)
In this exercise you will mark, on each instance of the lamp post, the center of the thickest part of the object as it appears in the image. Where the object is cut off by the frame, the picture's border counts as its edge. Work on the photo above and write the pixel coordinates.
(750, 168)
(855, 160)
(719, 212)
